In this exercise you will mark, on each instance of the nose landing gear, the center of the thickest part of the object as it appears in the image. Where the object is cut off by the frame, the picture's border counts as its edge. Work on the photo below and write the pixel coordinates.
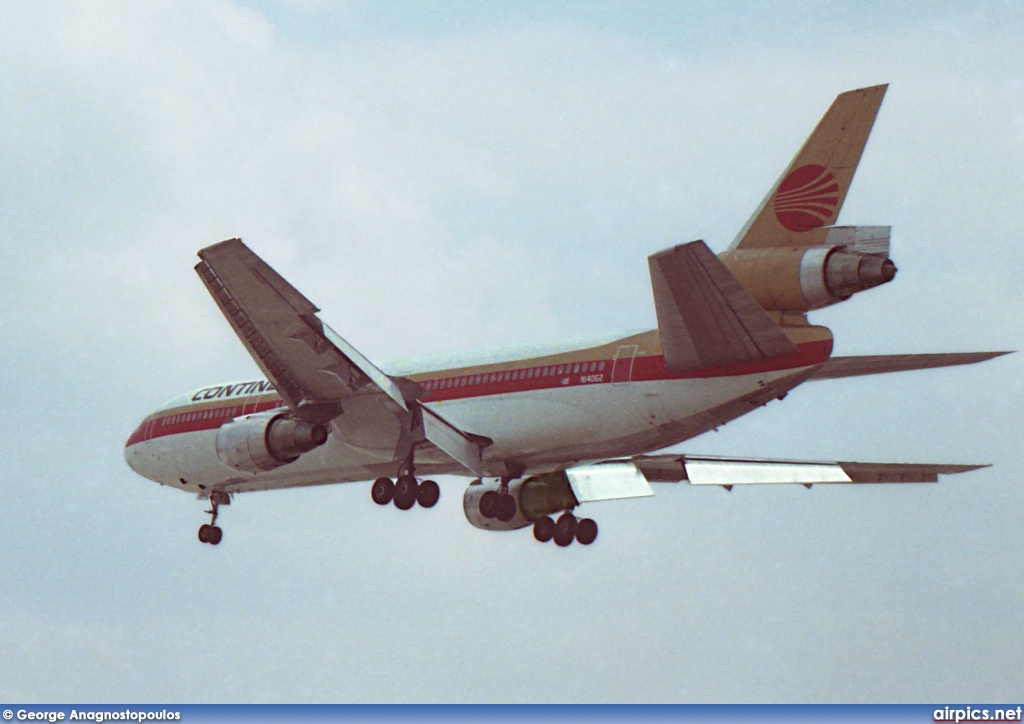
(211, 532)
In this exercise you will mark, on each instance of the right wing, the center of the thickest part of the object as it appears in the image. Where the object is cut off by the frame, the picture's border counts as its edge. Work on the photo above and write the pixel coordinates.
(837, 367)
(708, 470)
(631, 477)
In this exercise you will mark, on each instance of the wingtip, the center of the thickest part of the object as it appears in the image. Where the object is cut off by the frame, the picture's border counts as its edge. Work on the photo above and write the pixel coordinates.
(992, 355)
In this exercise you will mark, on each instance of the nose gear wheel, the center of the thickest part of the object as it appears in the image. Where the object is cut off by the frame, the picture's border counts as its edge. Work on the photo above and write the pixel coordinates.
(210, 532)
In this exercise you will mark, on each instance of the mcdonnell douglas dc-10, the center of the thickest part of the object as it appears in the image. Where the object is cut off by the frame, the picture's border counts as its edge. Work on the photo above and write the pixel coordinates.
(543, 430)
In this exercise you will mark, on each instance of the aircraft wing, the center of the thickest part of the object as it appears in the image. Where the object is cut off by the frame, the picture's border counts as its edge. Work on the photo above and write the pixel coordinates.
(317, 373)
(838, 367)
(726, 472)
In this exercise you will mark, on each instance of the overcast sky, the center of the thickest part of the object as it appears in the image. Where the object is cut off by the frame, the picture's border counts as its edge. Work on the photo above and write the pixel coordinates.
(440, 176)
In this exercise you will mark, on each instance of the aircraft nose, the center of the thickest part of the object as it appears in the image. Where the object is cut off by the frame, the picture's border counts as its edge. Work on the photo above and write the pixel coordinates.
(133, 453)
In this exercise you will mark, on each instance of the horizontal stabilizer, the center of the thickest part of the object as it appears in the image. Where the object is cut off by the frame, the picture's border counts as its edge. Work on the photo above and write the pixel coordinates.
(705, 317)
(838, 367)
(726, 472)
(607, 481)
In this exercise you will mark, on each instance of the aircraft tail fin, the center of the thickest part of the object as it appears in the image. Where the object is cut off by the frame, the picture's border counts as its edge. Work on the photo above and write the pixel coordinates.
(811, 191)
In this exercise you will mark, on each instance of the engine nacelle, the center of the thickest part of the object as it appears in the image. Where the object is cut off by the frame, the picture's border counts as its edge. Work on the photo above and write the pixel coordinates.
(797, 279)
(535, 497)
(266, 440)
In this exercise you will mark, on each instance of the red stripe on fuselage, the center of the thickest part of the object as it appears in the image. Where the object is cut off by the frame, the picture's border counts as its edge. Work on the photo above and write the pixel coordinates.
(188, 419)
(648, 368)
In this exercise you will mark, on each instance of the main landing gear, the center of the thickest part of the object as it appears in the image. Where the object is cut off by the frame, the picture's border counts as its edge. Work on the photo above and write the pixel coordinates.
(405, 492)
(211, 532)
(565, 529)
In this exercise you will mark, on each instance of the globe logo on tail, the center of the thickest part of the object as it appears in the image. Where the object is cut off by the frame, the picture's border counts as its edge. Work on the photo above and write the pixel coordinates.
(807, 198)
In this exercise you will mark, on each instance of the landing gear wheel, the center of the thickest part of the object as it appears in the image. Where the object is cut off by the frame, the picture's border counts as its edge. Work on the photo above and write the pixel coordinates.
(405, 492)
(506, 508)
(489, 504)
(565, 529)
(586, 531)
(543, 529)
(383, 491)
(428, 494)
(211, 534)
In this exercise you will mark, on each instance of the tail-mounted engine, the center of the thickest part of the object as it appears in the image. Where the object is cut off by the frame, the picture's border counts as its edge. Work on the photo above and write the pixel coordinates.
(266, 440)
(849, 259)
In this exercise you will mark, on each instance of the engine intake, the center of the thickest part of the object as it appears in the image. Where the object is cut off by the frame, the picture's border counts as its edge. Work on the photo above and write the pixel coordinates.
(535, 497)
(266, 440)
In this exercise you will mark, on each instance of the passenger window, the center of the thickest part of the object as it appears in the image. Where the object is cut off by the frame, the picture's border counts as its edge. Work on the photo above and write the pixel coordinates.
(600, 366)
(515, 375)
(529, 374)
(561, 369)
(575, 368)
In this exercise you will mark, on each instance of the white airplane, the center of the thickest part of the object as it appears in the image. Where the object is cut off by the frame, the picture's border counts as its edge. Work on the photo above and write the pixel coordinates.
(544, 429)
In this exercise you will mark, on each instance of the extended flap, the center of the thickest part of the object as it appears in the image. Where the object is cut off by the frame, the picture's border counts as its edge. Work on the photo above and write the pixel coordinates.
(607, 481)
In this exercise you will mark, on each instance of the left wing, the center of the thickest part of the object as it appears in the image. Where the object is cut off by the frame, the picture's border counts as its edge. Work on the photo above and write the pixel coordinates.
(318, 374)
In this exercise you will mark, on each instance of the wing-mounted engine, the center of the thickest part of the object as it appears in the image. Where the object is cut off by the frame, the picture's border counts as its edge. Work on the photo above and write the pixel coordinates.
(523, 501)
(266, 440)
(533, 500)
(849, 259)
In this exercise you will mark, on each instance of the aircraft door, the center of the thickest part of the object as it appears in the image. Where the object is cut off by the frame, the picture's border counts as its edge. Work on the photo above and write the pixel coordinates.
(622, 366)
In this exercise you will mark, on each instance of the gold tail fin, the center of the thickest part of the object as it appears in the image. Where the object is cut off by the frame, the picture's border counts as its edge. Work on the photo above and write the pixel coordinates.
(810, 193)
